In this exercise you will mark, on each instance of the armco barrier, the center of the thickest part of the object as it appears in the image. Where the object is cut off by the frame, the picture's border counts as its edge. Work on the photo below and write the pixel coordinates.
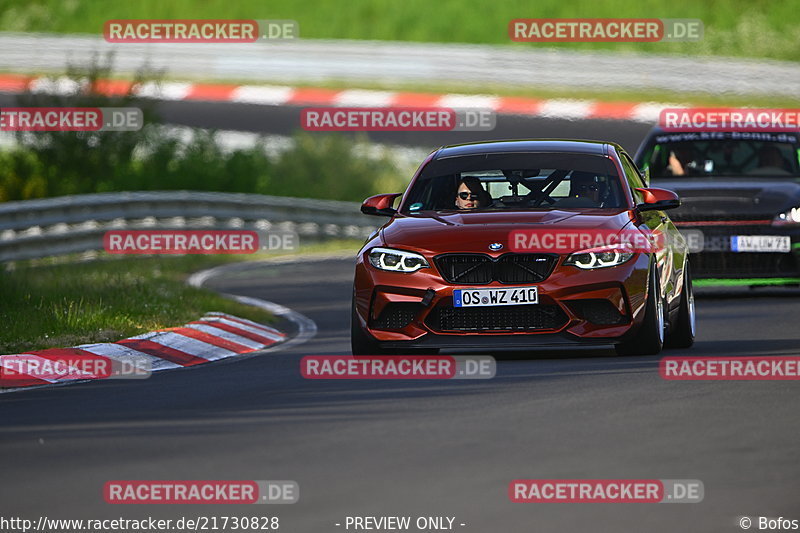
(313, 60)
(69, 224)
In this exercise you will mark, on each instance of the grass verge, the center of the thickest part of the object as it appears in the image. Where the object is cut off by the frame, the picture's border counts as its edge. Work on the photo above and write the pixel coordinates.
(51, 303)
(745, 28)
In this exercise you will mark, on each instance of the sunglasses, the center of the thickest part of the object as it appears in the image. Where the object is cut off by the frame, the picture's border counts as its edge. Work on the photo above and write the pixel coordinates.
(467, 196)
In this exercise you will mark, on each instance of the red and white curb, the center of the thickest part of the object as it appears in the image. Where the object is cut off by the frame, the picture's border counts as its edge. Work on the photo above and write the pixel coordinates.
(276, 95)
(214, 336)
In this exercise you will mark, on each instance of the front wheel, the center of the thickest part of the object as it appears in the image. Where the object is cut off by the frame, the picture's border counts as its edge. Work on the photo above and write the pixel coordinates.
(683, 332)
(362, 344)
(649, 340)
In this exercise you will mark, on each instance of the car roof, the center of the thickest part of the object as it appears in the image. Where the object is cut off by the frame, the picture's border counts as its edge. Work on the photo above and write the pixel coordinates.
(527, 145)
(658, 130)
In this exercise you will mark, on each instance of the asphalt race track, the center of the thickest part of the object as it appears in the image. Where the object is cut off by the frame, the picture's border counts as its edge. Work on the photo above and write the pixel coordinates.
(285, 120)
(439, 448)
(423, 448)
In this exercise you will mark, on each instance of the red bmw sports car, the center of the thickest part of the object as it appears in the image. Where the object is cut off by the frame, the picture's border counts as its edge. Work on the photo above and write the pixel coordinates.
(522, 244)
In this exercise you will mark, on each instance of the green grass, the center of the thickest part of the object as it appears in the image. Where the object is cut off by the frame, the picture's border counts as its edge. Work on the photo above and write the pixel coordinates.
(713, 282)
(52, 303)
(746, 28)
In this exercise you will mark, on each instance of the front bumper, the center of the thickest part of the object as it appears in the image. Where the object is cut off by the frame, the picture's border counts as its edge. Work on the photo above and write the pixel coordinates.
(717, 260)
(583, 307)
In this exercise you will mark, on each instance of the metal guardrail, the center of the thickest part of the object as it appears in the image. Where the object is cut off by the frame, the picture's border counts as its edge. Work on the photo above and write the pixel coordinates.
(70, 224)
(314, 61)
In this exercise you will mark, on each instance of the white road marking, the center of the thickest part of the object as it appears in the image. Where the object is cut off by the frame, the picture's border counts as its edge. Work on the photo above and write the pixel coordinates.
(361, 98)
(566, 109)
(164, 91)
(124, 354)
(262, 94)
(270, 334)
(176, 341)
(471, 101)
(227, 335)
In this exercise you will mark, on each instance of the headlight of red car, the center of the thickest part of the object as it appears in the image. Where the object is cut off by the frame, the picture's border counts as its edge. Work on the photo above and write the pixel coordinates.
(603, 257)
(397, 260)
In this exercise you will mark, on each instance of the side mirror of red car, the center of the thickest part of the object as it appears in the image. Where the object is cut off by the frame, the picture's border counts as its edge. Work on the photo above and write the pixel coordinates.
(380, 204)
(658, 200)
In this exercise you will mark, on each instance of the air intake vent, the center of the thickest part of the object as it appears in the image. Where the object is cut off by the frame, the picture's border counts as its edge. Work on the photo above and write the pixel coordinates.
(505, 318)
(396, 315)
(600, 312)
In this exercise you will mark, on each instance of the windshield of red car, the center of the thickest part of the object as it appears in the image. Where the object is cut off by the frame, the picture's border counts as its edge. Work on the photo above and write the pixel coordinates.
(516, 181)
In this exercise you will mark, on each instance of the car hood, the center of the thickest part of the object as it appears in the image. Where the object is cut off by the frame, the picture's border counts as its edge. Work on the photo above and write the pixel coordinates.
(732, 198)
(474, 231)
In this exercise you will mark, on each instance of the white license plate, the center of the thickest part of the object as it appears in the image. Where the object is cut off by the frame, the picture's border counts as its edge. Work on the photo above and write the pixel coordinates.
(487, 297)
(761, 243)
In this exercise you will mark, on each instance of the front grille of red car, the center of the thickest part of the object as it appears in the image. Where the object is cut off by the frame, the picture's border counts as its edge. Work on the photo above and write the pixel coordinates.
(496, 318)
(480, 269)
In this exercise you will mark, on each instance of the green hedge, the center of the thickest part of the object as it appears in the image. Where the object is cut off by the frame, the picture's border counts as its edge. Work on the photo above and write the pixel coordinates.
(748, 28)
(156, 158)
(316, 167)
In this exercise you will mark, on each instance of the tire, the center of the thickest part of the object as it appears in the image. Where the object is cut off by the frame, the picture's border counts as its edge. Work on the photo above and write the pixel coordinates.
(683, 331)
(649, 339)
(360, 342)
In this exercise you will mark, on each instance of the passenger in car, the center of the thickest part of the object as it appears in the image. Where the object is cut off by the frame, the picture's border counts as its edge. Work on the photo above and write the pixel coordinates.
(471, 194)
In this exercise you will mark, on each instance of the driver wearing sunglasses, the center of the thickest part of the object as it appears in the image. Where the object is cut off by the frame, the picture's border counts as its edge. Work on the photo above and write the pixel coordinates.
(471, 194)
